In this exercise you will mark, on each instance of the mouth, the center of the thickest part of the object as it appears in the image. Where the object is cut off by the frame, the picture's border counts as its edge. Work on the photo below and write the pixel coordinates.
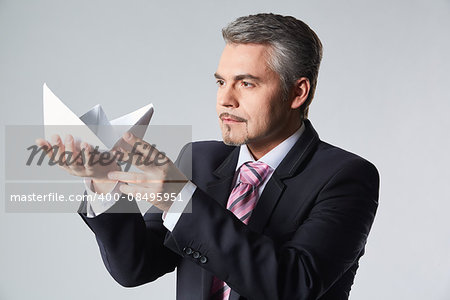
(231, 119)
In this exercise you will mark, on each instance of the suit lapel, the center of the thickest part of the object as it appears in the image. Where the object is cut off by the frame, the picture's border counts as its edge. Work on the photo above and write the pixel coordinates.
(220, 187)
(287, 168)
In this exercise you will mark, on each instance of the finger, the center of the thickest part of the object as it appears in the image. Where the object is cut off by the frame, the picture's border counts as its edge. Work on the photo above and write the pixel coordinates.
(139, 145)
(135, 191)
(68, 153)
(132, 177)
(46, 146)
(56, 141)
(86, 149)
(135, 159)
(72, 157)
(118, 155)
(142, 162)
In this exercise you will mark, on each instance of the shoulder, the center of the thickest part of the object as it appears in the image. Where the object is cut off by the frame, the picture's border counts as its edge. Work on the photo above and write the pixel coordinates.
(338, 162)
(323, 160)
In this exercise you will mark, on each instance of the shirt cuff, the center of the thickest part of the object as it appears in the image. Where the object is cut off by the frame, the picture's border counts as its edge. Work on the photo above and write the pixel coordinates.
(98, 203)
(178, 206)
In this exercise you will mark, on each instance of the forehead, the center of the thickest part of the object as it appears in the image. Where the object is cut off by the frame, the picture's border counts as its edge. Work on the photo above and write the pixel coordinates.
(245, 59)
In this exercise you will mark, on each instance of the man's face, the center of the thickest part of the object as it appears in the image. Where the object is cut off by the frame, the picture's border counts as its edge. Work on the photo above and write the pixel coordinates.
(249, 97)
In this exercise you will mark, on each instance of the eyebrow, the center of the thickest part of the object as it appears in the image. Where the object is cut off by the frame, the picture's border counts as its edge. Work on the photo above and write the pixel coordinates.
(239, 77)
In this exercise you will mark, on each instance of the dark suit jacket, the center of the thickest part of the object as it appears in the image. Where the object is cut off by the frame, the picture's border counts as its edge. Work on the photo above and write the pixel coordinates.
(303, 241)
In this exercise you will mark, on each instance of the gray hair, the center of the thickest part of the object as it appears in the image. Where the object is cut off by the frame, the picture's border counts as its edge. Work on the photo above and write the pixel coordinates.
(296, 50)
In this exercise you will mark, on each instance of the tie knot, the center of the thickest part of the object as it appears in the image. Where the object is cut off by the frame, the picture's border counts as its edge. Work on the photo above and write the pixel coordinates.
(253, 173)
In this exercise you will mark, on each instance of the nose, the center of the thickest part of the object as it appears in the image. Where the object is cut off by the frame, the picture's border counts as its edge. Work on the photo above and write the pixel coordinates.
(226, 97)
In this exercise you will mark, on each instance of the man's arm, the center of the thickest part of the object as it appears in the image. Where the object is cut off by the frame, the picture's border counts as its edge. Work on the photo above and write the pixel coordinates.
(132, 246)
(321, 250)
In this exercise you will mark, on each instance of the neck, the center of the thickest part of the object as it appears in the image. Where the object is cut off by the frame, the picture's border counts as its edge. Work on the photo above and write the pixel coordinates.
(260, 148)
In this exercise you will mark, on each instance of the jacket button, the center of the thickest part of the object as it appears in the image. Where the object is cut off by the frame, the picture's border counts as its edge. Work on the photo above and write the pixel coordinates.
(196, 254)
(187, 250)
(203, 259)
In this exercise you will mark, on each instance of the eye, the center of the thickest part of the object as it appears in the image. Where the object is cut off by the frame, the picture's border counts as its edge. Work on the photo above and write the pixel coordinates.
(220, 82)
(247, 84)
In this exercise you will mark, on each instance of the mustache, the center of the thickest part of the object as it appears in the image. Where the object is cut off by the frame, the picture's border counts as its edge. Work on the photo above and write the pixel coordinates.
(234, 117)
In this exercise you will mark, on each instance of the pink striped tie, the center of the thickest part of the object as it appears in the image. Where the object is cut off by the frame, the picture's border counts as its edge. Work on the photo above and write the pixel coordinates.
(241, 202)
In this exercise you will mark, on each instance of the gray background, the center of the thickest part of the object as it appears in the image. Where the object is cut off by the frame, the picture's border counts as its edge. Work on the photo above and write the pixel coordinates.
(382, 93)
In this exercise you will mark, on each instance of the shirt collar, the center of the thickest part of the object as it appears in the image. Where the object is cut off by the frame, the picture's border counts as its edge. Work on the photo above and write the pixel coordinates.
(274, 157)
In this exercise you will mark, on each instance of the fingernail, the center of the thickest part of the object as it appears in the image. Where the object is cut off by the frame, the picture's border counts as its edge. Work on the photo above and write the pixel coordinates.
(127, 136)
(55, 139)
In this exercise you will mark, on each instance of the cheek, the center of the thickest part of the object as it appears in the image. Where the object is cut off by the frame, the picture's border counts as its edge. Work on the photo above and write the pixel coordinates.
(269, 114)
(217, 101)
(260, 119)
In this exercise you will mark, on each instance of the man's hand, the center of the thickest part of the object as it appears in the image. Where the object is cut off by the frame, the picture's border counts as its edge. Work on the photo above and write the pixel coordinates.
(78, 162)
(160, 182)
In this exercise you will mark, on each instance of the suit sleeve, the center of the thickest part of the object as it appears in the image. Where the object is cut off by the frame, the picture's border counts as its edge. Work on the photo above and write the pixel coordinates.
(322, 249)
(132, 246)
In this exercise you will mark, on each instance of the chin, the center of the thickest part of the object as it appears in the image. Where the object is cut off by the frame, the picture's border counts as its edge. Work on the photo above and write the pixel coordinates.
(234, 136)
(233, 141)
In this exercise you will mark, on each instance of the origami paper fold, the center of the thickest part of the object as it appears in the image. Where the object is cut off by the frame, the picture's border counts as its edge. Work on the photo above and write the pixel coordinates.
(93, 127)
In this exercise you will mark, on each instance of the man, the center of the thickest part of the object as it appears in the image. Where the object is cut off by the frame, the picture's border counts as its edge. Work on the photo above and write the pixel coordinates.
(276, 212)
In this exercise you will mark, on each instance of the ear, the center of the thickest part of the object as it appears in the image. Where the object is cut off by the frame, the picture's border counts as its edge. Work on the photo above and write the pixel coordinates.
(300, 92)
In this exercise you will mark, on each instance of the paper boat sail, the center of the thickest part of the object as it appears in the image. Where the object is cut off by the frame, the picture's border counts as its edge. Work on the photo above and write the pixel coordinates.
(93, 127)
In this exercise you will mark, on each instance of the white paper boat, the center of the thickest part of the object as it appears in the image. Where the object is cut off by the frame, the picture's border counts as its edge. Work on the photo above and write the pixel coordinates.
(93, 127)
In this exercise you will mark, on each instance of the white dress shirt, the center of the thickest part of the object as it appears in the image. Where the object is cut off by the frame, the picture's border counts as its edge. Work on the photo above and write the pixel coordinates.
(273, 158)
